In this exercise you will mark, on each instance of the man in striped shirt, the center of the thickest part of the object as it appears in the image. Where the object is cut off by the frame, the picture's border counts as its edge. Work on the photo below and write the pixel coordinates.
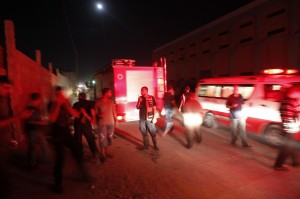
(289, 112)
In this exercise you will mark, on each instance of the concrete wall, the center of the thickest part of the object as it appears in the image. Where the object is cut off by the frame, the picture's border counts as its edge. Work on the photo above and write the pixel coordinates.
(27, 75)
(262, 34)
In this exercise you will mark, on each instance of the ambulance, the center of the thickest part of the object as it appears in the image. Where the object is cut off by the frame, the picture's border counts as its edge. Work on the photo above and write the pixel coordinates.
(126, 80)
(262, 94)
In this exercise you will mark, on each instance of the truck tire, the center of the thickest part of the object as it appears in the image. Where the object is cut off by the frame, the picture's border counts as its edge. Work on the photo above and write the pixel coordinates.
(210, 121)
(273, 134)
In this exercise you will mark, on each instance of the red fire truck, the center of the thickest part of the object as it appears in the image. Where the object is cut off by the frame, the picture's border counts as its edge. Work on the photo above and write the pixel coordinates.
(126, 80)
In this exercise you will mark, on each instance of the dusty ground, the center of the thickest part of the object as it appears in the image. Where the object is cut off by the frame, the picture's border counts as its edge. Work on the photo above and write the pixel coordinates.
(210, 170)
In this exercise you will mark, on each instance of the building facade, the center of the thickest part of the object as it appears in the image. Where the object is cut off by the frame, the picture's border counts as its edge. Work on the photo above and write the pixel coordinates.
(262, 34)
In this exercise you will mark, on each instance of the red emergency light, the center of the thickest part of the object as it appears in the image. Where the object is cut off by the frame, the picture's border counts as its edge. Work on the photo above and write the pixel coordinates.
(277, 71)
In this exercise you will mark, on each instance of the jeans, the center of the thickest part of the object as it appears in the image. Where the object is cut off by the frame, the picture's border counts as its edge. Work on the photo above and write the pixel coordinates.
(146, 126)
(169, 119)
(190, 131)
(285, 151)
(63, 139)
(106, 133)
(87, 131)
(238, 126)
(37, 137)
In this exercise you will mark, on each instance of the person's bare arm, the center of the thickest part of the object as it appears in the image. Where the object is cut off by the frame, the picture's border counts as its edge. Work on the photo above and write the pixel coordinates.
(86, 115)
(154, 115)
(93, 113)
(114, 112)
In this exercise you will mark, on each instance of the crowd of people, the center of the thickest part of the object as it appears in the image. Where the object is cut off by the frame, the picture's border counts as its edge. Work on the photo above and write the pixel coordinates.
(86, 116)
(191, 114)
(56, 121)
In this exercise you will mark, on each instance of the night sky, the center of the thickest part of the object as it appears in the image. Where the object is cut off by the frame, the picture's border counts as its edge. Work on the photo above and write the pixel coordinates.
(129, 29)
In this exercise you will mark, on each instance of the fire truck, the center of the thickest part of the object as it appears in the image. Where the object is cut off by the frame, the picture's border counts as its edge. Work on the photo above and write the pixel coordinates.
(126, 80)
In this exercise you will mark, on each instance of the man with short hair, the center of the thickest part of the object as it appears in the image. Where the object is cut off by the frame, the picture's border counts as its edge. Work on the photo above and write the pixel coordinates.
(60, 110)
(192, 119)
(83, 124)
(8, 138)
(184, 96)
(238, 121)
(290, 114)
(169, 106)
(147, 114)
(107, 120)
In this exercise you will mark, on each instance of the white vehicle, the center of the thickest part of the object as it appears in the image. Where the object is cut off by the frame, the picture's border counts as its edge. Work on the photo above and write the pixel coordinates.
(262, 95)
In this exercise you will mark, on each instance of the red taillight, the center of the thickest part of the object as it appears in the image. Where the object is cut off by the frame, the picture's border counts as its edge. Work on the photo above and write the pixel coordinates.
(121, 118)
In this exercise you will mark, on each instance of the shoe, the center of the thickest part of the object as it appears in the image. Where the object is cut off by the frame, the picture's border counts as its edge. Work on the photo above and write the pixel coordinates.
(109, 155)
(102, 159)
(247, 146)
(164, 134)
(199, 140)
(92, 186)
(188, 146)
(295, 164)
(280, 168)
(156, 148)
(143, 148)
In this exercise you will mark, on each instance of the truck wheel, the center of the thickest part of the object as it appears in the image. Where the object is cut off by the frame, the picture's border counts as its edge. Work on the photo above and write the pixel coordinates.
(210, 121)
(274, 135)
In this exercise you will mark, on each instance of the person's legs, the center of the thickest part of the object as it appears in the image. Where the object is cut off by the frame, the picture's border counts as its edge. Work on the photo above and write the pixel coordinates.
(102, 141)
(152, 130)
(58, 167)
(75, 148)
(283, 153)
(198, 133)
(242, 130)
(90, 138)
(42, 141)
(169, 121)
(32, 142)
(234, 124)
(143, 129)
(188, 135)
(78, 135)
(110, 135)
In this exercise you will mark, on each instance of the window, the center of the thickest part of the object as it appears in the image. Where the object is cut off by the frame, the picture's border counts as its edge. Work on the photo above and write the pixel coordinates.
(248, 39)
(223, 33)
(274, 92)
(276, 31)
(276, 13)
(223, 91)
(205, 39)
(223, 46)
(246, 24)
(206, 51)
